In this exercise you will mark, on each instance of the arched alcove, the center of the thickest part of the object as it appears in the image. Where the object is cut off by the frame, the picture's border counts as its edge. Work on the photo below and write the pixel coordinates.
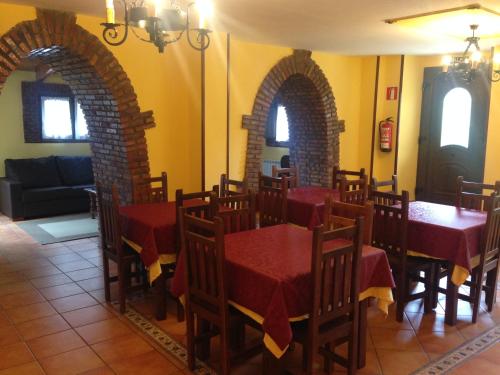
(313, 123)
(116, 124)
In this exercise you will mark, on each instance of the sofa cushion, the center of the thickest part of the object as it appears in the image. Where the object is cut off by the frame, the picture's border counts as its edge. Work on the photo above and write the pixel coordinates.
(52, 194)
(33, 173)
(75, 170)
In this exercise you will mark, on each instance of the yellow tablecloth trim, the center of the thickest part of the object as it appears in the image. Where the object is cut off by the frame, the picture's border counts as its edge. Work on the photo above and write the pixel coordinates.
(459, 275)
(384, 299)
(154, 270)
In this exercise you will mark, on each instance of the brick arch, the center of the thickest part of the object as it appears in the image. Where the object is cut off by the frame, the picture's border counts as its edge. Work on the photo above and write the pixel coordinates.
(115, 121)
(314, 125)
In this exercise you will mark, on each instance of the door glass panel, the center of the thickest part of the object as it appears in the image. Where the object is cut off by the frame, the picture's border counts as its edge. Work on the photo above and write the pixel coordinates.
(455, 124)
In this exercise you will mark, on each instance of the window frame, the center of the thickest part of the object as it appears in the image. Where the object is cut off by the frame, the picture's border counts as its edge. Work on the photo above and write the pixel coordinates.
(73, 103)
(271, 126)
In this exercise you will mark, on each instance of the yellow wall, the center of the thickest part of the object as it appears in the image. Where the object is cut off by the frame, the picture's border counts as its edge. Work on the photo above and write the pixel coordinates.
(492, 168)
(12, 144)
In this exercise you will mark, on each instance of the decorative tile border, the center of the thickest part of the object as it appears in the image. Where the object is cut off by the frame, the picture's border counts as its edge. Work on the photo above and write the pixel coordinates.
(461, 354)
(164, 340)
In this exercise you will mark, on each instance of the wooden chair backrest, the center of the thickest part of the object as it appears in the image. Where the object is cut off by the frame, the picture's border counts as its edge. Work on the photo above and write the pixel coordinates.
(229, 187)
(490, 241)
(292, 173)
(475, 195)
(340, 214)
(202, 244)
(335, 275)
(151, 189)
(108, 202)
(353, 191)
(272, 200)
(390, 223)
(392, 184)
(236, 211)
(338, 174)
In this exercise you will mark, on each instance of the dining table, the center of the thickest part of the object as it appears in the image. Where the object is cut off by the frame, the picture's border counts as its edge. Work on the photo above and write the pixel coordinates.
(268, 274)
(449, 233)
(150, 229)
(306, 204)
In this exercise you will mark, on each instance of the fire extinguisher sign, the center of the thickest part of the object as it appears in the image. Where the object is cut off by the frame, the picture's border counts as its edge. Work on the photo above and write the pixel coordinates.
(392, 93)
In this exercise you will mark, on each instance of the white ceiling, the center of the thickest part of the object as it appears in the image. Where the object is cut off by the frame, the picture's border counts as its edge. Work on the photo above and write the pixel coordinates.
(353, 27)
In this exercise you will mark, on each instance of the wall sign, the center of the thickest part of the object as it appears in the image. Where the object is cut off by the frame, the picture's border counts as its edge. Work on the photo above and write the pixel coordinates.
(392, 93)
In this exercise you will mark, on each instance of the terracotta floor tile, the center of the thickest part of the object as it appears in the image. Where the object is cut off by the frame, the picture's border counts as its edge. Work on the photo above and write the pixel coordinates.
(44, 282)
(431, 322)
(395, 362)
(56, 343)
(101, 331)
(60, 291)
(469, 330)
(32, 368)
(93, 253)
(4, 320)
(41, 327)
(118, 348)
(440, 342)
(74, 266)
(377, 318)
(65, 258)
(386, 338)
(98, 371)
(36, 272)
(75, 302)
(9, 335)
(72, 362)
(88, 315)
(11, 277)
(14, 355)
(98, 295)
(97, 261)
(16, 287)
(50, 252)
(95, 283)
(21, 299)
(84, 274)
(151, 363)
(30, 312)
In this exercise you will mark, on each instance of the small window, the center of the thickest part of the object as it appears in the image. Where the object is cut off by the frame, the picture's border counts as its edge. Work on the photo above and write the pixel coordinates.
(455, 125)
(277, 134)
(62, 119)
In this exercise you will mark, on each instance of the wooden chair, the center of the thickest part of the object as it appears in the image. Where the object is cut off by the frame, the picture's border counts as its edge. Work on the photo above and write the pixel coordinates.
(353, 191)
(488, 265)
(206, 291)
(334, 317)
(339, 173)
(475, 195)
(336, 212)
(272, 200)
(390, 228)
(392, 184)
(229, 187)
(150, 190)
(236, 211)
(113, 248)
(292, 173)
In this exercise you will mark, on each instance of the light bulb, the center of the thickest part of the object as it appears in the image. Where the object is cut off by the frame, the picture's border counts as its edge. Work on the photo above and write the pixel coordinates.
(475, 58)
(141, 24)
(205, 10)
(110, 11)
(496, 62)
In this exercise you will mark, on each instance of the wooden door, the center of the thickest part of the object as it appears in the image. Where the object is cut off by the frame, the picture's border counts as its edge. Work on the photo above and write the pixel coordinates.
(453, 128)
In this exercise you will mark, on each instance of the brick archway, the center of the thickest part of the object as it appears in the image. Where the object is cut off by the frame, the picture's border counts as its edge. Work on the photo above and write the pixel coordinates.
(313, 121)
(116, 124)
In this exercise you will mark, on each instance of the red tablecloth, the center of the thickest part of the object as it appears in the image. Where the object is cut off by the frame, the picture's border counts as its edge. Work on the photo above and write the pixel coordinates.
(152, 227)
(445, 232)
(269, 273)
(306, 205)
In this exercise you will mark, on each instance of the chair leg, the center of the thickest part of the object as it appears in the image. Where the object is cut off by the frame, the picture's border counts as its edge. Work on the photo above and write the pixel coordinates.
(451, 299)
(309, 359)
(401, 291)
(327, 361)
(352, 359)
(476, 292)
(122, 274)
(180, 311)
(191, 354)
(491, 283)
(225, 354)
(429, 290)
(202, 347)
(436, 269)
(107, 282)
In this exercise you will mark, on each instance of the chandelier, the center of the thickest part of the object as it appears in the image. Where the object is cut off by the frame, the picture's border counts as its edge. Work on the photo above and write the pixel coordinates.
(472, 61)
(162, 21)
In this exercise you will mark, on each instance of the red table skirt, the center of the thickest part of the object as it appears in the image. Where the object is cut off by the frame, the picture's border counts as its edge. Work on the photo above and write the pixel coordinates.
(306, 205)
(269, 274)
